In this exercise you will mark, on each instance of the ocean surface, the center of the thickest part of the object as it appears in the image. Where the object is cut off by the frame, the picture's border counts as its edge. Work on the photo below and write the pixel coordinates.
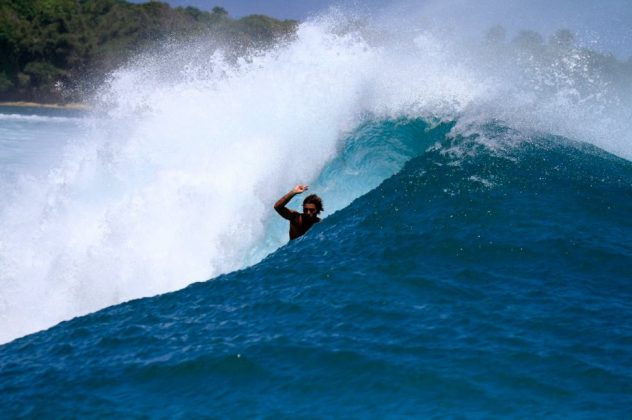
(474, 260)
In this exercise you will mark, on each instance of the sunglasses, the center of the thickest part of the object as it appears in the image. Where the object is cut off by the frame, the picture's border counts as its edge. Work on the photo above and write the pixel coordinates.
(309, 210)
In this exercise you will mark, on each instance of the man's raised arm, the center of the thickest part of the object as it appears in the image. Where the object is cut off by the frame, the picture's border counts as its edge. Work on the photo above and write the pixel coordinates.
(279, 206)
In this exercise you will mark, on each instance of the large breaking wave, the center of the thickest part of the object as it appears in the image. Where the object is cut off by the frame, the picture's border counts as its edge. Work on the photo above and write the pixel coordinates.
(187, 151)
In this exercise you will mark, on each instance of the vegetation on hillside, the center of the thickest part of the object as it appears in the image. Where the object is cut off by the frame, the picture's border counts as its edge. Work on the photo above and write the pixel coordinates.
(51, 49)
(559, 64)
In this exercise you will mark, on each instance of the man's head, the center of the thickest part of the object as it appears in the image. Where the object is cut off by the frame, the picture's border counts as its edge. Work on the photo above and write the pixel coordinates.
(312, 205)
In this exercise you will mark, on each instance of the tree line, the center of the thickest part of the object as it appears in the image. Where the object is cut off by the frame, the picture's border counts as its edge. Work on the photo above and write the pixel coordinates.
(51, 49)
(560, 63)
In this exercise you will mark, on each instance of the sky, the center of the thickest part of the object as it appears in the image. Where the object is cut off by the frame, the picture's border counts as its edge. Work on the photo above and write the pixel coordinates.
(282, 9)
(604, 25)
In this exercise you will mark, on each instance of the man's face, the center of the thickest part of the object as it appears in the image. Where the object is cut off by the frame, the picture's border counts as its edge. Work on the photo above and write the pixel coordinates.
(309, 210)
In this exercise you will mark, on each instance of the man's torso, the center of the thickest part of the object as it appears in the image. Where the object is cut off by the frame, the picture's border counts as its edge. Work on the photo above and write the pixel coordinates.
(299, 224)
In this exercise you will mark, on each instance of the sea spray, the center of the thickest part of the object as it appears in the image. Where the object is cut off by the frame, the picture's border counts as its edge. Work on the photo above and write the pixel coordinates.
(175, 181)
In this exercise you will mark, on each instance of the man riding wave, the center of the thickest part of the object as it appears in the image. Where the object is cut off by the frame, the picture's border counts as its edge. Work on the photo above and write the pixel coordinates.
(300, 223)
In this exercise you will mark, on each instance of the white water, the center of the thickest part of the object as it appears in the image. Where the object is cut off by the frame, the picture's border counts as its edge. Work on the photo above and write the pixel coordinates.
(185, 154)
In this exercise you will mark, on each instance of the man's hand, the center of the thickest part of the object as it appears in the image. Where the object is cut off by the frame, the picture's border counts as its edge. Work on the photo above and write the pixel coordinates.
(279, 206)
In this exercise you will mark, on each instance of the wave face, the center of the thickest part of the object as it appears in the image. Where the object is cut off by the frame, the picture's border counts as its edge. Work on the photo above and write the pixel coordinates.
(490, 276)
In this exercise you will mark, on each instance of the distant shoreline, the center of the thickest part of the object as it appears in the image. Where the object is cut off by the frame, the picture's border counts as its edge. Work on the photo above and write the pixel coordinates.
(43, 105)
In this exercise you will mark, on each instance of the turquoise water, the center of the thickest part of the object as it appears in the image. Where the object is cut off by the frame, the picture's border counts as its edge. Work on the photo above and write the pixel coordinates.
(473, 282)
(31, 138)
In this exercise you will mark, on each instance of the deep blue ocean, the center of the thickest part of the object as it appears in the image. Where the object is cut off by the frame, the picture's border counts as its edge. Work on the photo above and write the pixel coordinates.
(472, 283)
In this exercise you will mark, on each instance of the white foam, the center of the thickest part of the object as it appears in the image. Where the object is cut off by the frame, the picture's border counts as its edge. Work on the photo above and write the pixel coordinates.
(36, 118)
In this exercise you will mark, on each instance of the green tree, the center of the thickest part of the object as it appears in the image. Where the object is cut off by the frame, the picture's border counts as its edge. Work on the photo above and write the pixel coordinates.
(563, 39)
(43, 42)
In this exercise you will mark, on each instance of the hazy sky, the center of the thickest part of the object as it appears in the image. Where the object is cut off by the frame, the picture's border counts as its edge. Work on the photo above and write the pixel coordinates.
(284, 9)
(602, 24)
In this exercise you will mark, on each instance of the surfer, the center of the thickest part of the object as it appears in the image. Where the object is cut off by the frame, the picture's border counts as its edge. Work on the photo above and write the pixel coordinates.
(300, 222)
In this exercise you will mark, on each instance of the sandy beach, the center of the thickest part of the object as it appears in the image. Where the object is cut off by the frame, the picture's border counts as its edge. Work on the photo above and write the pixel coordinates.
(71, 105)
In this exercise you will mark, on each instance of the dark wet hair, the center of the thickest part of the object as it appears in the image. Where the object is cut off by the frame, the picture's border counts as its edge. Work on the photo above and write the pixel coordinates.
(315, 200)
